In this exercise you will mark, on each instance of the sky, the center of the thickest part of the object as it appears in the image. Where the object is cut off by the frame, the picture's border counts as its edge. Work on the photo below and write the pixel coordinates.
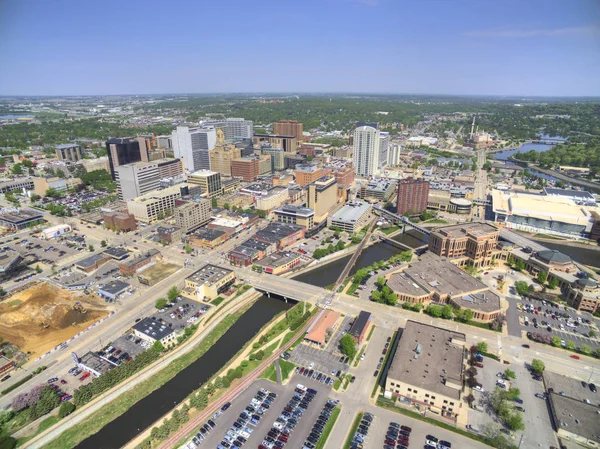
(457, 47)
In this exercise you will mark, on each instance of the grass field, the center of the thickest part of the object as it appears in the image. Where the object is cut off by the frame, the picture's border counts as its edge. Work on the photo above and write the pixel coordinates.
(286, 369)
(45, 424)
(328, 427)
(217, 301)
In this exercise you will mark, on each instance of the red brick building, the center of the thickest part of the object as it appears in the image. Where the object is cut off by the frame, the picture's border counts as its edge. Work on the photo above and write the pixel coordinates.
(246, 168)
(412, 196)
(120, 221)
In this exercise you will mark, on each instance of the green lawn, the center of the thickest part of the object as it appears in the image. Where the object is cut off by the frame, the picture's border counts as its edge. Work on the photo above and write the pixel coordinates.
(391, 229)
(217, 301)
(287, 368)
(328, 427)
(45, 424)
(71, 437)
(371, 332)
(353, 430)
(436, 221)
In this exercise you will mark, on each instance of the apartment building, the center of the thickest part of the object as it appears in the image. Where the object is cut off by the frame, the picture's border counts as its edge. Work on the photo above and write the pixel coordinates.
(322, 197)
(289, 128)
(190, 215)
(412, 196)
(365, 152)
(155, 205)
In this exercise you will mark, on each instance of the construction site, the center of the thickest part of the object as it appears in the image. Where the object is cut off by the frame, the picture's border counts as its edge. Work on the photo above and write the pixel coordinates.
(43, 316)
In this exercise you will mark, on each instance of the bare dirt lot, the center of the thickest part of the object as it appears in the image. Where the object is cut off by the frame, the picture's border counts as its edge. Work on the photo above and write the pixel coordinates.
(158, 272)
(43, 316)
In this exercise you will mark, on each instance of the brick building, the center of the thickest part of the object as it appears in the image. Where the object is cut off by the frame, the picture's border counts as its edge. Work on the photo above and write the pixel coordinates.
(412, 196)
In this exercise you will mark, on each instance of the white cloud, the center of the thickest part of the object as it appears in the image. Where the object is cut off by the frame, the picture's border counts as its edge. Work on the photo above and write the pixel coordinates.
(533, 32)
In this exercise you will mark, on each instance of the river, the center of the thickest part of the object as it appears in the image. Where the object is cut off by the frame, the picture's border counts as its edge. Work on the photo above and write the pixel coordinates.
(145, 412)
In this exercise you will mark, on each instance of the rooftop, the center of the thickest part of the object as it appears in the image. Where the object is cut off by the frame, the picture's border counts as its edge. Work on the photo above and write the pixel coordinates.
(575, 416)
(115, 287)
(153, 329)
(431, 358)
(290, 209)
(318, 330)
(307, 168)
(208, 234)
(209, 274)
(580, 194)
(351, 212)
(167, 230)
(467, 229)
(277, 259)
(66, 145)
(20, 216)
(274, 232)
(359, 324)
(553, 256)
(380, 184)
(158, 194)
(94, 362)
(141, 257)
(116, 253)
(90, 261)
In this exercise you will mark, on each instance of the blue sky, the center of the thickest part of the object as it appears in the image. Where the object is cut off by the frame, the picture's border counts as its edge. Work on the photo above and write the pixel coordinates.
(497, 47)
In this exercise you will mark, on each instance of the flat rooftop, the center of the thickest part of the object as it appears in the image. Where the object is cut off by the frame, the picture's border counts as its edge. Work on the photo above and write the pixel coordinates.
(115, 287)
(153, 329)
(116, 253)
(290, 209)
(575, 416)
(277, 259)
(90, 261)
(274, 232)
(21, 216)
(581, 194)
(359, 324)
(209, 274)
(402, 282)
(431, 358)
(463, 230)
(94, 362)
(208, 234)
(572, 388)
(318, 330)
(141, 257)
(351, 212)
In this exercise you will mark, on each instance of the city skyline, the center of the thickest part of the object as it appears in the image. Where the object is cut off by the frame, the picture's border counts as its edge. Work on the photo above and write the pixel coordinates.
(339, 46)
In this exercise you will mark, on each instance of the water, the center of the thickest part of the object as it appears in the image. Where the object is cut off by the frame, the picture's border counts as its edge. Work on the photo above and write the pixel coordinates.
(146, 411)
(412, 238)
(505, 155)
(543, 175)
(15, 117)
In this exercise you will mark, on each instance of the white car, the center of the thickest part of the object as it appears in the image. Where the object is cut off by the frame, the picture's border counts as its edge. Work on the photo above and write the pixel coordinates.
(478, 388)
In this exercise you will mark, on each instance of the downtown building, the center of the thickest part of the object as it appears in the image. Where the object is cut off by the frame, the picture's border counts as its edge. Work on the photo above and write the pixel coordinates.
(289, 128)
(365, 155)
(233, 128)
(193, 145)
(412, 196)
(122, 151)
(68, 152)
(140, 178)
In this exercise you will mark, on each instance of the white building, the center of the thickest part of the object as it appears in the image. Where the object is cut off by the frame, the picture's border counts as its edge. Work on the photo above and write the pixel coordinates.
(193, 146)
(365, 155)
(134, 180)
(384, 144)
(393, 156)
(234, 128)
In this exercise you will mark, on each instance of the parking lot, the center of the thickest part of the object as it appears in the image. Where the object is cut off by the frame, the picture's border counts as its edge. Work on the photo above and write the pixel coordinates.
(327, 360)
(309, 245)
(260, 430)
(182, 313)
(538, 428)
(368, 283)
(45, 251)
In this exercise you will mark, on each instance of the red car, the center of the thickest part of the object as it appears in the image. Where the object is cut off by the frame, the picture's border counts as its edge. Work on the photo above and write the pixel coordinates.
(479, 365)
(576, 357)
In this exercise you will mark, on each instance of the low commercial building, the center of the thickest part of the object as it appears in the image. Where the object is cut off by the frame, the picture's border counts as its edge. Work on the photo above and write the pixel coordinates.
(113, 289)
(469, 243)
(16, 184)
(235, 199)
(427, 371)
(323, 327)
(435, 279)
(279, 262)
(352, 217)
(117, 253)
(169, 234)
(207, 238)
(119, 221)
(584, 294)
(552, 262)
(438, 200)
(301, 216)
(92, 262)
(9, 262)
(378, 189)
(250, 251)
(360, 326)
(152, 330)
(20, 219)
(208, 282)
(132, 265)
(55, 231)
(280, 234)
(93, 364)
(155, 205)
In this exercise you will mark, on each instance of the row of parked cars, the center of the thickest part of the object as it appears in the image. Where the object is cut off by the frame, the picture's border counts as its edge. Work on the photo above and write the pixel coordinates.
(397, 436)
(319, 377)
(319, 426)
(287, 421)
(432, 442)
(358, 440)
(205, 429)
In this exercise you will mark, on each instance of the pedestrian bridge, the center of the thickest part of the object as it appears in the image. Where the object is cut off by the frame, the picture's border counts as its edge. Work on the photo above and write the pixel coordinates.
(403, 220)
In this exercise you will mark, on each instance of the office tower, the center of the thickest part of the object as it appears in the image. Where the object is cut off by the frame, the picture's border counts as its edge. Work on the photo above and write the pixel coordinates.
(393, 155)
(412, 196)
(365, 153)
(142, 177)
(247, 168)
(384, 143)
(223, 154)
(190, 215)
(233, 128)
(277, 157)
(68, 152)
(208, 181)
(322, 197)
(193, 146)
(288, 143)
(127, 150)
(288, 128)
(307, 173)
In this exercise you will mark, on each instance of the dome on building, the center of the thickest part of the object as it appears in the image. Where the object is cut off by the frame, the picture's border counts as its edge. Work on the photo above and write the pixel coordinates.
(553, 256)
(583, 283)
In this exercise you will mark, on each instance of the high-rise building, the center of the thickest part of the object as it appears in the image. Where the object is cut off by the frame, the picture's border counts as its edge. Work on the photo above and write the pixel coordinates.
(384, 143)
(365, 153)
(249, 168)
(393, 155)
(307, 173)
(412, 196)
(155, 205)
(289, 128)
(288, 143)
(233, 128)
(277, 157)
(193, 146)
(68, 152)
(190, 215)
(223, 154)
(127, 150)
(322, 197)
(208, 181)
(140, 178)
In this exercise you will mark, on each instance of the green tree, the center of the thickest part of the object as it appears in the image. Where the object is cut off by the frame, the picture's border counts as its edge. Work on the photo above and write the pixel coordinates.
(570, 345)
(555, 341)
(515, 421)
(434, 310)
(160, 303)
(553, 283)
(188, 249)
(34, 197)
(7, 442)
(585, 349)
(447, 312)
(522, 288)
(538, 366)
(541, 277)
(348, 346)
(17, 169)
(53, 193)
(513, 393)
(158, 346)
(38, 269)
(482, 347)
(103, 243)
(509, 374)
(213, 203)
(66, 409)
(173, 294)
(91, 248)
(592, 333)
(519, 265)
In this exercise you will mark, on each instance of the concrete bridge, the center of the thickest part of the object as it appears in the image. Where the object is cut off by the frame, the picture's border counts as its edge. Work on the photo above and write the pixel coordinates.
(404, 220)
(286, 288)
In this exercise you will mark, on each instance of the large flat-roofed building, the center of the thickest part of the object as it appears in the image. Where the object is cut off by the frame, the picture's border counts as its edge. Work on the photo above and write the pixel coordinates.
(9, 261)
(378, 189)
(133, 264)
(427, 370)
(113, 290)
(412, 196)
(190, 215)
(279, 262)
(276, 197)
(16, 184)
(327, 321)
(93, 364)
(289, 128)
(119, 221)
(307, 173)
(434, 279)
(207, 238)
(91, 263)
(246, 168)
(342, 169)
(281, 234)
(42, 184)
(154, 205)
(20, 219)
(576, 195)
(550, 214)
(439, 200)
(68, 152)
(208, 282)
(298, 215)
(137, 179)
(288, 143)
(476, 243)
(208, 181)
(352, 217)
(322, 197)
(152, 330)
